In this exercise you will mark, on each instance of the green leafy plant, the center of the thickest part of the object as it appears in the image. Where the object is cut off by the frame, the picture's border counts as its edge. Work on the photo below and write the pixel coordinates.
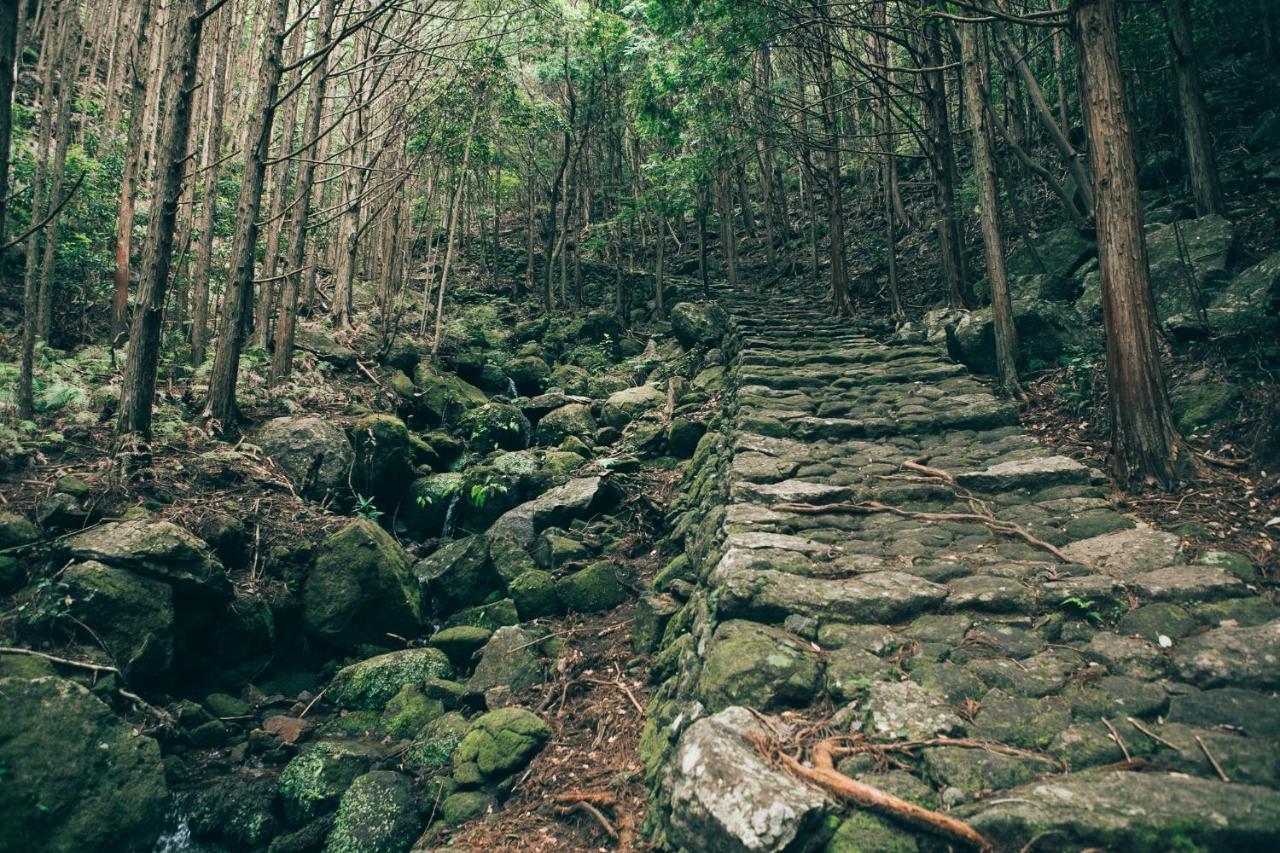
(366, 509)
(481, 493)
(1082, 609)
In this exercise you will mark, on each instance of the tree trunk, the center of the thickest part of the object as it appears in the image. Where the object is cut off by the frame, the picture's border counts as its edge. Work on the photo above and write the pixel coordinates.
(70, 57)
(286, 326)
(1206, 187)
(238, 299)
(1145, 445)
(1006, 333)
(841, 304)
(139, 387)
(454, 211)
(132, 162)
(8, 63)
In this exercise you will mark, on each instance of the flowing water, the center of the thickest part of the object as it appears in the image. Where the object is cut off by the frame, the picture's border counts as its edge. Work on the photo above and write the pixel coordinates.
(450, 517)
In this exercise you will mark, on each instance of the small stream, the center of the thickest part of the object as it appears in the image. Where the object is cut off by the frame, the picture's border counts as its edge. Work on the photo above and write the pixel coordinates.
(176, 837)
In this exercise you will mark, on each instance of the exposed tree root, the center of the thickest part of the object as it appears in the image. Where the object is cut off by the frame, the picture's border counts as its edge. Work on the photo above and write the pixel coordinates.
(824, 775)
(590, 803)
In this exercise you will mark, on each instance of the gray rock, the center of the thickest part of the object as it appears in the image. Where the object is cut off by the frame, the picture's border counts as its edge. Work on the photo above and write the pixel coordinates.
(758, 666)
(131, 615)
(631, 404)
(1033, 474)
(1249, 303)
(905, 710)
(155, 549)
(699, 323)
(572, 419)
(313, 452)
(1125, 811)
(722, 795)
(1044, 331)
(1234, 657)
(883, 597)
(1126, 553)
(508, 661)
(577, 498)
(315, 340)
(459, 574)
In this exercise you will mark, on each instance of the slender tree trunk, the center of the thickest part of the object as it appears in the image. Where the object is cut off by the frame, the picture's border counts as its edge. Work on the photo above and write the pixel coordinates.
(1006, 333)
(239, 296)
(1145, 445)
(137, 75)
(286, 326)
(942, 164)
(841, 304)
(139, 387)
(1206, 187)
(8, 64)
(455, 209)
(70, 57)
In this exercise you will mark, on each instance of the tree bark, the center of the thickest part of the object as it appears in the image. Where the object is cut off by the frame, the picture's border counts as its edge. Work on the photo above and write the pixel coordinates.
(841, 303)
(238, 300)
(1145, 445)
(1206, 187)
(139, 387)
(1006, 333)
(8, 64)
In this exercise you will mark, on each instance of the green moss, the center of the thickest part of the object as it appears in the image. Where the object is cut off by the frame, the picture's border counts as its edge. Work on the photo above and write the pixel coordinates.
(370, 684)
(383, 464)
(492, 616)
(863, 832)
(236, 810)
(378, 814)
(433, 749)
(15, 530)
(408, 711)
(314, 781)
(353, 724)
(460, 642)
(680, 568)
(509, 559)
(501, 742)
(464, 806)
(592, 589)
(534, 593)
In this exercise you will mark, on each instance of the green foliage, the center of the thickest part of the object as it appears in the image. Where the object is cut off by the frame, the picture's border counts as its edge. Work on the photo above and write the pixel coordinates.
(365, 507)
(1079, 376)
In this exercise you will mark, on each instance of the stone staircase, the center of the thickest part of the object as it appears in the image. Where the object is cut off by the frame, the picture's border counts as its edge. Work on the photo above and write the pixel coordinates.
(874, 548)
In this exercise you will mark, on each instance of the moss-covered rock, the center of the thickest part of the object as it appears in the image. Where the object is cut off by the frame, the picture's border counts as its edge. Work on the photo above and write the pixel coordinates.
(370, 684)
(699, 323)
(384, 460)
(574, 419)
(434, 745)
(683, 436)
(314, 781)
(156, 549)
(570, 379)
(361, 588)
(492, 616)
(509, 559)
(427, 505)
(508, 661)
(592, 589)
(444, 398)
(76, 777)
(459, 574)
(534, 593)
(758, 666)
(460, 643)
(863, 832)
(502, 742)
(1199, 405)
(496, 426)
(378, 814)
(131, 615)
(315, 453)
(409, 711)
(530, 373)
(16, 530)
(463, 806)
(631, 404)
(237, 810)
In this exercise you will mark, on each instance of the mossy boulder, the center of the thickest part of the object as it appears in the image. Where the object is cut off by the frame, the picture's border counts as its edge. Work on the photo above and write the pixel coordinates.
(683, 436)
(444, 398)
(570, 379)
(156, 549)
(863, 832)
(313, 452)
(378, 814)
(631, 404)
(426, 505)
(592, 589)
(496, 426)
(509, 559)
(699, 324)
(758, 666)
(534, 593)
(314, 781)
(460, 643)
(502, 742)
(529, 373)
(1198, 405)
(574, 419)
(458, 574)
(384, 459)
(237, 810)
(463, 806)
(16, 531)
(370, 684)
(129, 614)
(409, 711)
(433, 747)
(361, 588)
(76, 777)
(1057, 254)
(508, 661)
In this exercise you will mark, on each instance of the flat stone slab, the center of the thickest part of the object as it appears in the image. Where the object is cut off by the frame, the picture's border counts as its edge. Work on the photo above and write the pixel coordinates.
(1188, 583)
(905, 710)
(1131, 811)
(1231, 657)
(792, 491)
(1126, 553)
(1026, 474)
(723, 796)
(878, 597)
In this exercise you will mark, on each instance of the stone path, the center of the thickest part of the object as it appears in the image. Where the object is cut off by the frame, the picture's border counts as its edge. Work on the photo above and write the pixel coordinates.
(908, 629)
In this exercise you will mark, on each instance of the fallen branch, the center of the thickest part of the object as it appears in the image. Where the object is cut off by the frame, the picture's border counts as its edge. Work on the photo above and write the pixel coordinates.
(1209, 755)
(588, 802)
(824, 775)
(996, 525)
